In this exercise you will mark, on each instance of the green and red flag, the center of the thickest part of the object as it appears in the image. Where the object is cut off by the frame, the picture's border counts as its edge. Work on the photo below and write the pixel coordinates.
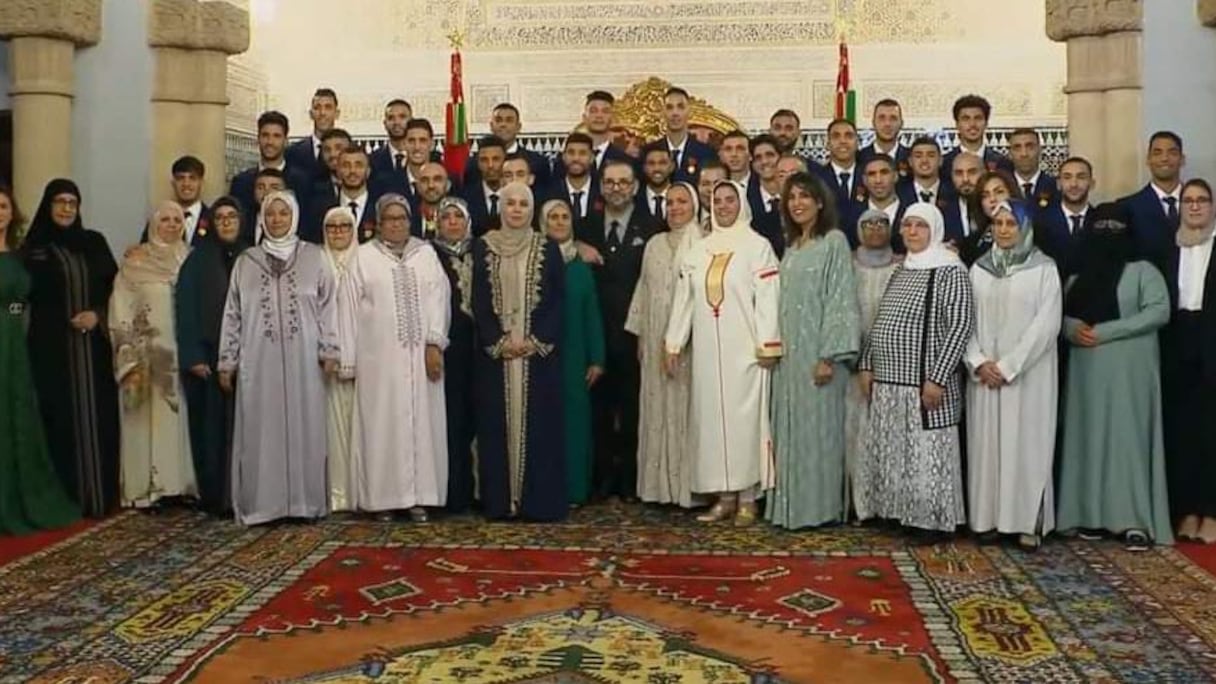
(846, 97)
(456, 138)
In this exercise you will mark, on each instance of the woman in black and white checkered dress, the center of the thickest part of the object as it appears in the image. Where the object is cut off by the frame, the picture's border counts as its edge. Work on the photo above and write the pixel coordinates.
(910, 466)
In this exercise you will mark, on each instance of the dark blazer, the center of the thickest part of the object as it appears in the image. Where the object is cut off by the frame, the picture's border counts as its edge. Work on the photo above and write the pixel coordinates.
(595, 200)
(301, 155)
(845, 195)
(479, 211)
(955, 230)
(542, 172)
(242, 189)
(1169, 334)
(1044, 193)
(695, 154)
(1054, 235)
(765, 221)
(610, 153)
(314, 230)
(1151, 227)
(204, 225)
(617, 277)
(993, 161)
(902, 151)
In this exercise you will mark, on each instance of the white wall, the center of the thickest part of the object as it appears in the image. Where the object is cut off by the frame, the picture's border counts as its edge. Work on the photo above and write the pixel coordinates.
(112, 124)
(1180, 82)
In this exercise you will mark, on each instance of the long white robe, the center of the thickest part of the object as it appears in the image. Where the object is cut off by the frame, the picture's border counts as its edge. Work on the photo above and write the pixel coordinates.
(726, 303)
(392, 308)
(340, 407)
(1011, 431)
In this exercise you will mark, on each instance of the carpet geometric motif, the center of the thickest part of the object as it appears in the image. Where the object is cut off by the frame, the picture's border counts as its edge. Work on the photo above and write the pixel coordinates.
(617, 594)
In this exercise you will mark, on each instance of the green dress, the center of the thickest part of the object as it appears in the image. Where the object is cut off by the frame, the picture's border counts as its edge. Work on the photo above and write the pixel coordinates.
(1112, 468)
(820, 320)
(31, 498)
(582, 346)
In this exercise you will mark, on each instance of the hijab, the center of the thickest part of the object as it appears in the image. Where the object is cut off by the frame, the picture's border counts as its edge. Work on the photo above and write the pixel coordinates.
(461, 247)
(935, 254)
(506, 241)
(158, 260)
(1005, 262)
(281, 248)
(217, 259)
(382, 205)
(869, 257)
(745, 212)
(338, 259)
(1106, 247)
(568, 249)
(43, 229)
(229, 250)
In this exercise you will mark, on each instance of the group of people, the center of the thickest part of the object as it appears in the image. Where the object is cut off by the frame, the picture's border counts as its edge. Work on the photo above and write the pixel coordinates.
(896, 336)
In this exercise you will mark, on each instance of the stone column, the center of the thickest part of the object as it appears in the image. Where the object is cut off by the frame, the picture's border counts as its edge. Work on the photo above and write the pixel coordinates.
(192, 41)
(1104, 87)
(1206, 9)
(43, 36)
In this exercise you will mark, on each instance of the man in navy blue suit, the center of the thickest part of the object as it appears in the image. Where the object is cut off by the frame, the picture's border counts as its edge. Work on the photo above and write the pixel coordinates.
(924, 181)
(433, 185)
(1058, 226)
(354, 170)
(597, 120)
(971, 115)
(1025, 152)
(418, 146)
(1156, 208)
(764, 195)
(505, 124)
(333, 143)
(888, 122)
(578, 184)
(187, 184)
(879, 174)
(841, 172)
(651, 200)
(391, 157)
(686, 152)
(305, 154)
(735, 154)
(272, 142)
(786, 128)
(482, 198)
(957, 205)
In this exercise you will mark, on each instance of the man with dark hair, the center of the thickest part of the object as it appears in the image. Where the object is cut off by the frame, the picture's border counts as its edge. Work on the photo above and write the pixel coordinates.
(687, 153)
(391, 157)
(1156, 208)
(888, 122)
(306, 154)
(597, 120)
(924, 180)
(1058, 227)
(841, 172)
(735, 153)
(1025, 152)
(971, 114)
(187, 185)
(785, 126)
(482, 198)
(354, 170)
(272, 143)
(651, 200)
(333, 143)
(265, 182)
(505, 124)
(578, 184)
(764, 191)
(879, 174)
(789, 164)
(418, 148)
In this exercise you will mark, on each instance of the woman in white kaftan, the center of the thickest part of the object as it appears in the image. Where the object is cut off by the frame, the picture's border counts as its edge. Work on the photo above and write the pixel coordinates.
(726, 304)
(278, 341)
(155, 452)
(1014, 387)
(394, 314)
(665, 457)
(340, 244)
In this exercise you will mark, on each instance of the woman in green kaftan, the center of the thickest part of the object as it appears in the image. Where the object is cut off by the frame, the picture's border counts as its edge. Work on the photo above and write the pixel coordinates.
(820, 328)
(31, 496)
(582, 349)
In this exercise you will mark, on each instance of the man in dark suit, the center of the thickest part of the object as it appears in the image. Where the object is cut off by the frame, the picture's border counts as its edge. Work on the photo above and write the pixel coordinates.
(325, 189)
(516, 168)
(614, 242)
(786, 128)
(764, 195)
(651, 199)
(433, 185)
(924, 181)
(971, 114)
(265, 182)
(305, 154)
(354, 169)
(879, 175)
(419, 149)
(390, 158)
(841, 172)
(505, 124)
(687, 153)
(187, 184)
(482, 198)
(888, 122)
(1040, 188)
(272, 141)
(597, 120)
(735, 153)
(1156, 208)
(957, 205)
(578, 184)
(1058, 226)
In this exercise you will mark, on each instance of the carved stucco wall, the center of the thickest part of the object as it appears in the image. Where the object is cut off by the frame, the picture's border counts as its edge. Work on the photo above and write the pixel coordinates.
(747, 57)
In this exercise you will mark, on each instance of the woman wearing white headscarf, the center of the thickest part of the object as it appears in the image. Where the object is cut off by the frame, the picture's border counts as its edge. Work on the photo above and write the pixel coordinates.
(339, 233)
(1014, 387)
(664, 454)
(726, 305)
(910, 469)
(278, 341)
(518, 285)
(155, 443)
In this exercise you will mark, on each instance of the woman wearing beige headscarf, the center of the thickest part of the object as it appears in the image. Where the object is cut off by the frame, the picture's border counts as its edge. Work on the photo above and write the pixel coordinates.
(518, 284)
(339, 247)
(664, 456)
(155, 444)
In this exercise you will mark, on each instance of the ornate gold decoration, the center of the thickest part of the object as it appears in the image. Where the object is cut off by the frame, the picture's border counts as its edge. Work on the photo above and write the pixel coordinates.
(1072, 18)
(639, 115)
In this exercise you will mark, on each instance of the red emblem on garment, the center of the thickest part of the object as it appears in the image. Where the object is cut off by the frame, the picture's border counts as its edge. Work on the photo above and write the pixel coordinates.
(598, 205)
(991, 166)
(369, 229)
(201, 228)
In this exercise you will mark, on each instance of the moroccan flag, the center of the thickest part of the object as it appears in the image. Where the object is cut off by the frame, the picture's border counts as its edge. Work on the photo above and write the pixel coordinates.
(456, 140)
(846, 97)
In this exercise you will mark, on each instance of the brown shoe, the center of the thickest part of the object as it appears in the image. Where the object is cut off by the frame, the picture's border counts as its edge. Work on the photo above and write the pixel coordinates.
(746, 515)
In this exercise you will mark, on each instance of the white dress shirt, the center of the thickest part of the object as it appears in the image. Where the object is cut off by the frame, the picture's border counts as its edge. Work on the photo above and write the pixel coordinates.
(486, 192)
(193, 213)
(1192, 272)
(580, 206)
(852, 171)
(1068, 214)
(932, 190)
(360, 200)
(650, 195)
(1161, 195)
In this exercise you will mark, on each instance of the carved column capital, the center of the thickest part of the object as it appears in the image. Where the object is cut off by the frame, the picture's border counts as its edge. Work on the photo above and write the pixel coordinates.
(76, 21)
(194, 25)
(1207, 12)
(1072, 18)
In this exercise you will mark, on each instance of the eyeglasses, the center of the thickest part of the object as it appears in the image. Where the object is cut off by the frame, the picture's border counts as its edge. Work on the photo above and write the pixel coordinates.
(66, 202)
(1197, 201)
(616, 183)
(225, 218)
(339, 226)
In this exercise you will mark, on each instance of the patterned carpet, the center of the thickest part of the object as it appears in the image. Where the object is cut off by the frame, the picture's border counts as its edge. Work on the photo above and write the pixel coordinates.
(618, 594)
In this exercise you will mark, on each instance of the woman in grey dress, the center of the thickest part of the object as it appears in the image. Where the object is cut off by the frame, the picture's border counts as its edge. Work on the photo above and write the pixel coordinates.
(278, 341)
